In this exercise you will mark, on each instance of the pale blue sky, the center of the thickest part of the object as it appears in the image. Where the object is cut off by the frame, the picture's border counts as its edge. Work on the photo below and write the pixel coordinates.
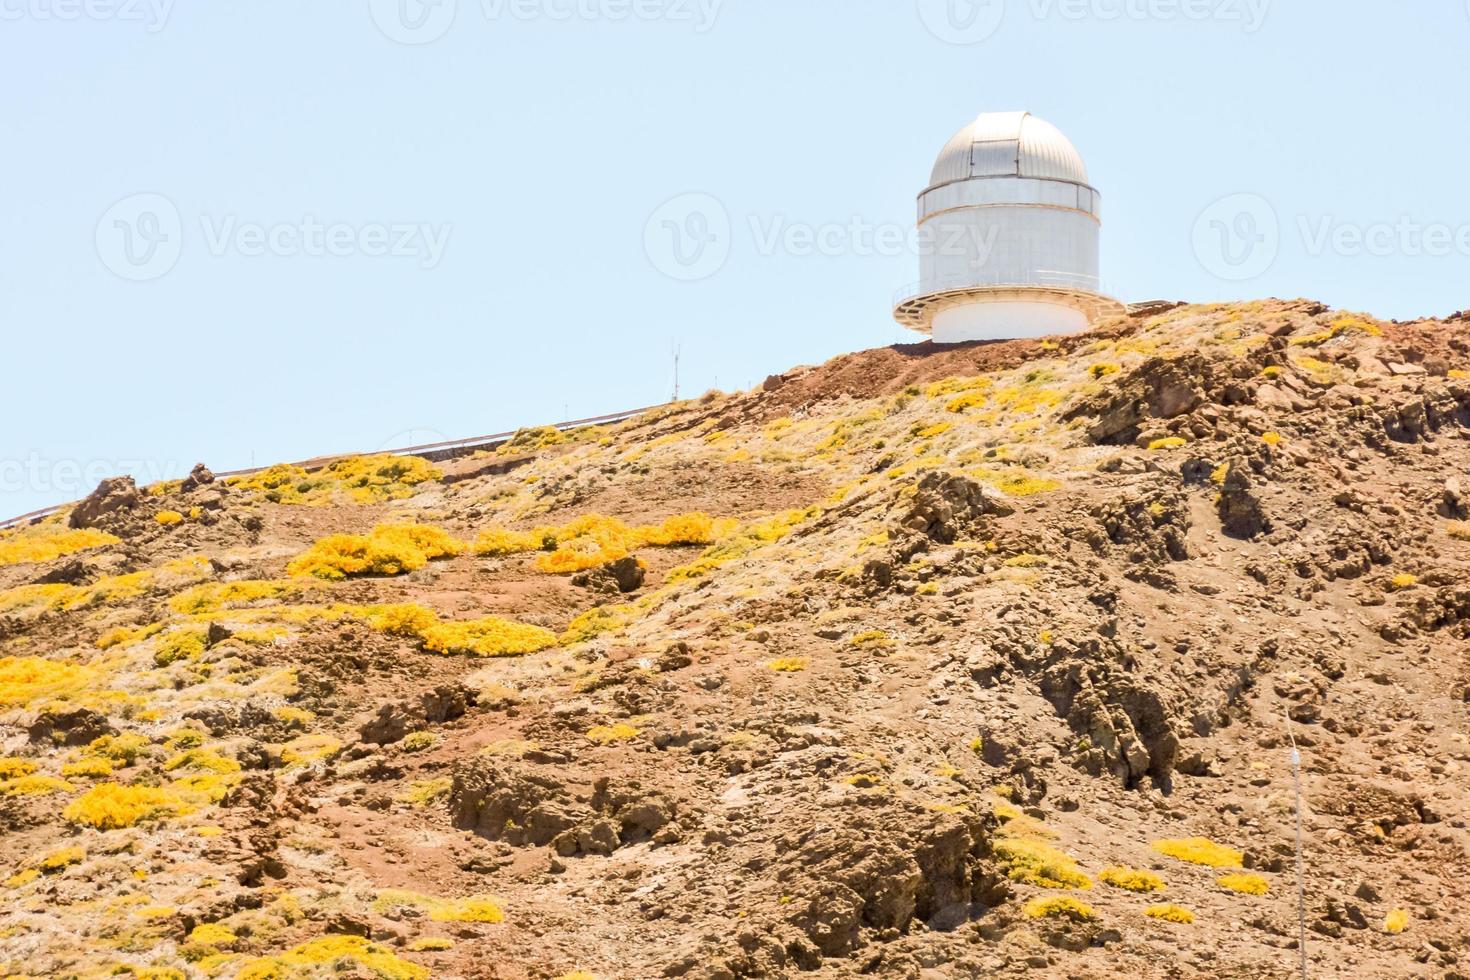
(519, 161)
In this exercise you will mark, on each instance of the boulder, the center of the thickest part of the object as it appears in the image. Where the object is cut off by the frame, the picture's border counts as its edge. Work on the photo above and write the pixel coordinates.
(113, 495)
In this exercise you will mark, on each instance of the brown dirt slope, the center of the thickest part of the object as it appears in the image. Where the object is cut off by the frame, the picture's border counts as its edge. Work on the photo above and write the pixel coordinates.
(909, 665)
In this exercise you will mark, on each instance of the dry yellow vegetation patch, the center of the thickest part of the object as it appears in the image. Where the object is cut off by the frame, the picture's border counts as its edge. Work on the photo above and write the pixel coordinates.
(46, 542)
(1200, 850)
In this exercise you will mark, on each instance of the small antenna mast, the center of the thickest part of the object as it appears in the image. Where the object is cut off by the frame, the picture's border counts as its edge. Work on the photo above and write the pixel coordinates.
(676, 372)
(1301, 888)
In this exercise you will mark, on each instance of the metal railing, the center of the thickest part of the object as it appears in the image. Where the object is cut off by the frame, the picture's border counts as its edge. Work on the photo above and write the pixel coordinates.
(983, 279)
(434, 451)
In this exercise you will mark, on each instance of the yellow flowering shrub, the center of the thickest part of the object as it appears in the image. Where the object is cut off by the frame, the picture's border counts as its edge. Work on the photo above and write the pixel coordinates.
(308, 749)
(45, 542)
(401, 619)
(324, 955)
(430, 944)
(498, 541)
(120, 749)
(373, 479)
(925, 430)
(88, 767)
(588, 542)
(1169, 913)
(121, 636)
(362, 479)
(112, 806)
(607, 734)
(533, 440)
(1131, 879)
(14, 768)
(686, 529)
(389, 549)
(1169, 442)
(1403, 581)
(426, 791)
(22, 878)
(168, 518)
(418, 741)
(212, 934)
(475, 908)
(1247, 884)
(1396, 921)
(488, 637)
(1200, 850)
(27, 679)
(1342, 324)
(62, 859)
(963, 403)
(219, 596)
(740, 543)
(1027, 398)
(180, 645)
(789, 665)
(1059, 907)
(203, 760)
(1035, 862)
(1319, 371)
(597, 621)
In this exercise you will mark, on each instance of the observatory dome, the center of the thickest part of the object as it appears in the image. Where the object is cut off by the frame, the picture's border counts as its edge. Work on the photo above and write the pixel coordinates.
(1009, 232)
(1015, 144)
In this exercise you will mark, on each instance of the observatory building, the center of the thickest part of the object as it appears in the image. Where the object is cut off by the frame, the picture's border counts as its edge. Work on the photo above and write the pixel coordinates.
(1009, 229)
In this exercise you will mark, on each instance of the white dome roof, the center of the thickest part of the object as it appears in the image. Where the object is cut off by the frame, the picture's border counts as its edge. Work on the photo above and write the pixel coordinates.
(1009, 144)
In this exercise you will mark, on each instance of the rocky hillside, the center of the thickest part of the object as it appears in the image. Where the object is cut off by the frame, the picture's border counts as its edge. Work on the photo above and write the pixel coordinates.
(924, 663)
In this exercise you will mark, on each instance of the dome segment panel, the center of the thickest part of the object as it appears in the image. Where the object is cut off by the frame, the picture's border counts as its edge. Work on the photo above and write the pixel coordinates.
(1008, 144)
(954, 160)
(1047, 154)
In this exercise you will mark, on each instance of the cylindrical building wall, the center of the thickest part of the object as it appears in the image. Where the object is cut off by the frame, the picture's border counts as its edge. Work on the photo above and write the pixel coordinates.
(1009, 245)
(1005, 321)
